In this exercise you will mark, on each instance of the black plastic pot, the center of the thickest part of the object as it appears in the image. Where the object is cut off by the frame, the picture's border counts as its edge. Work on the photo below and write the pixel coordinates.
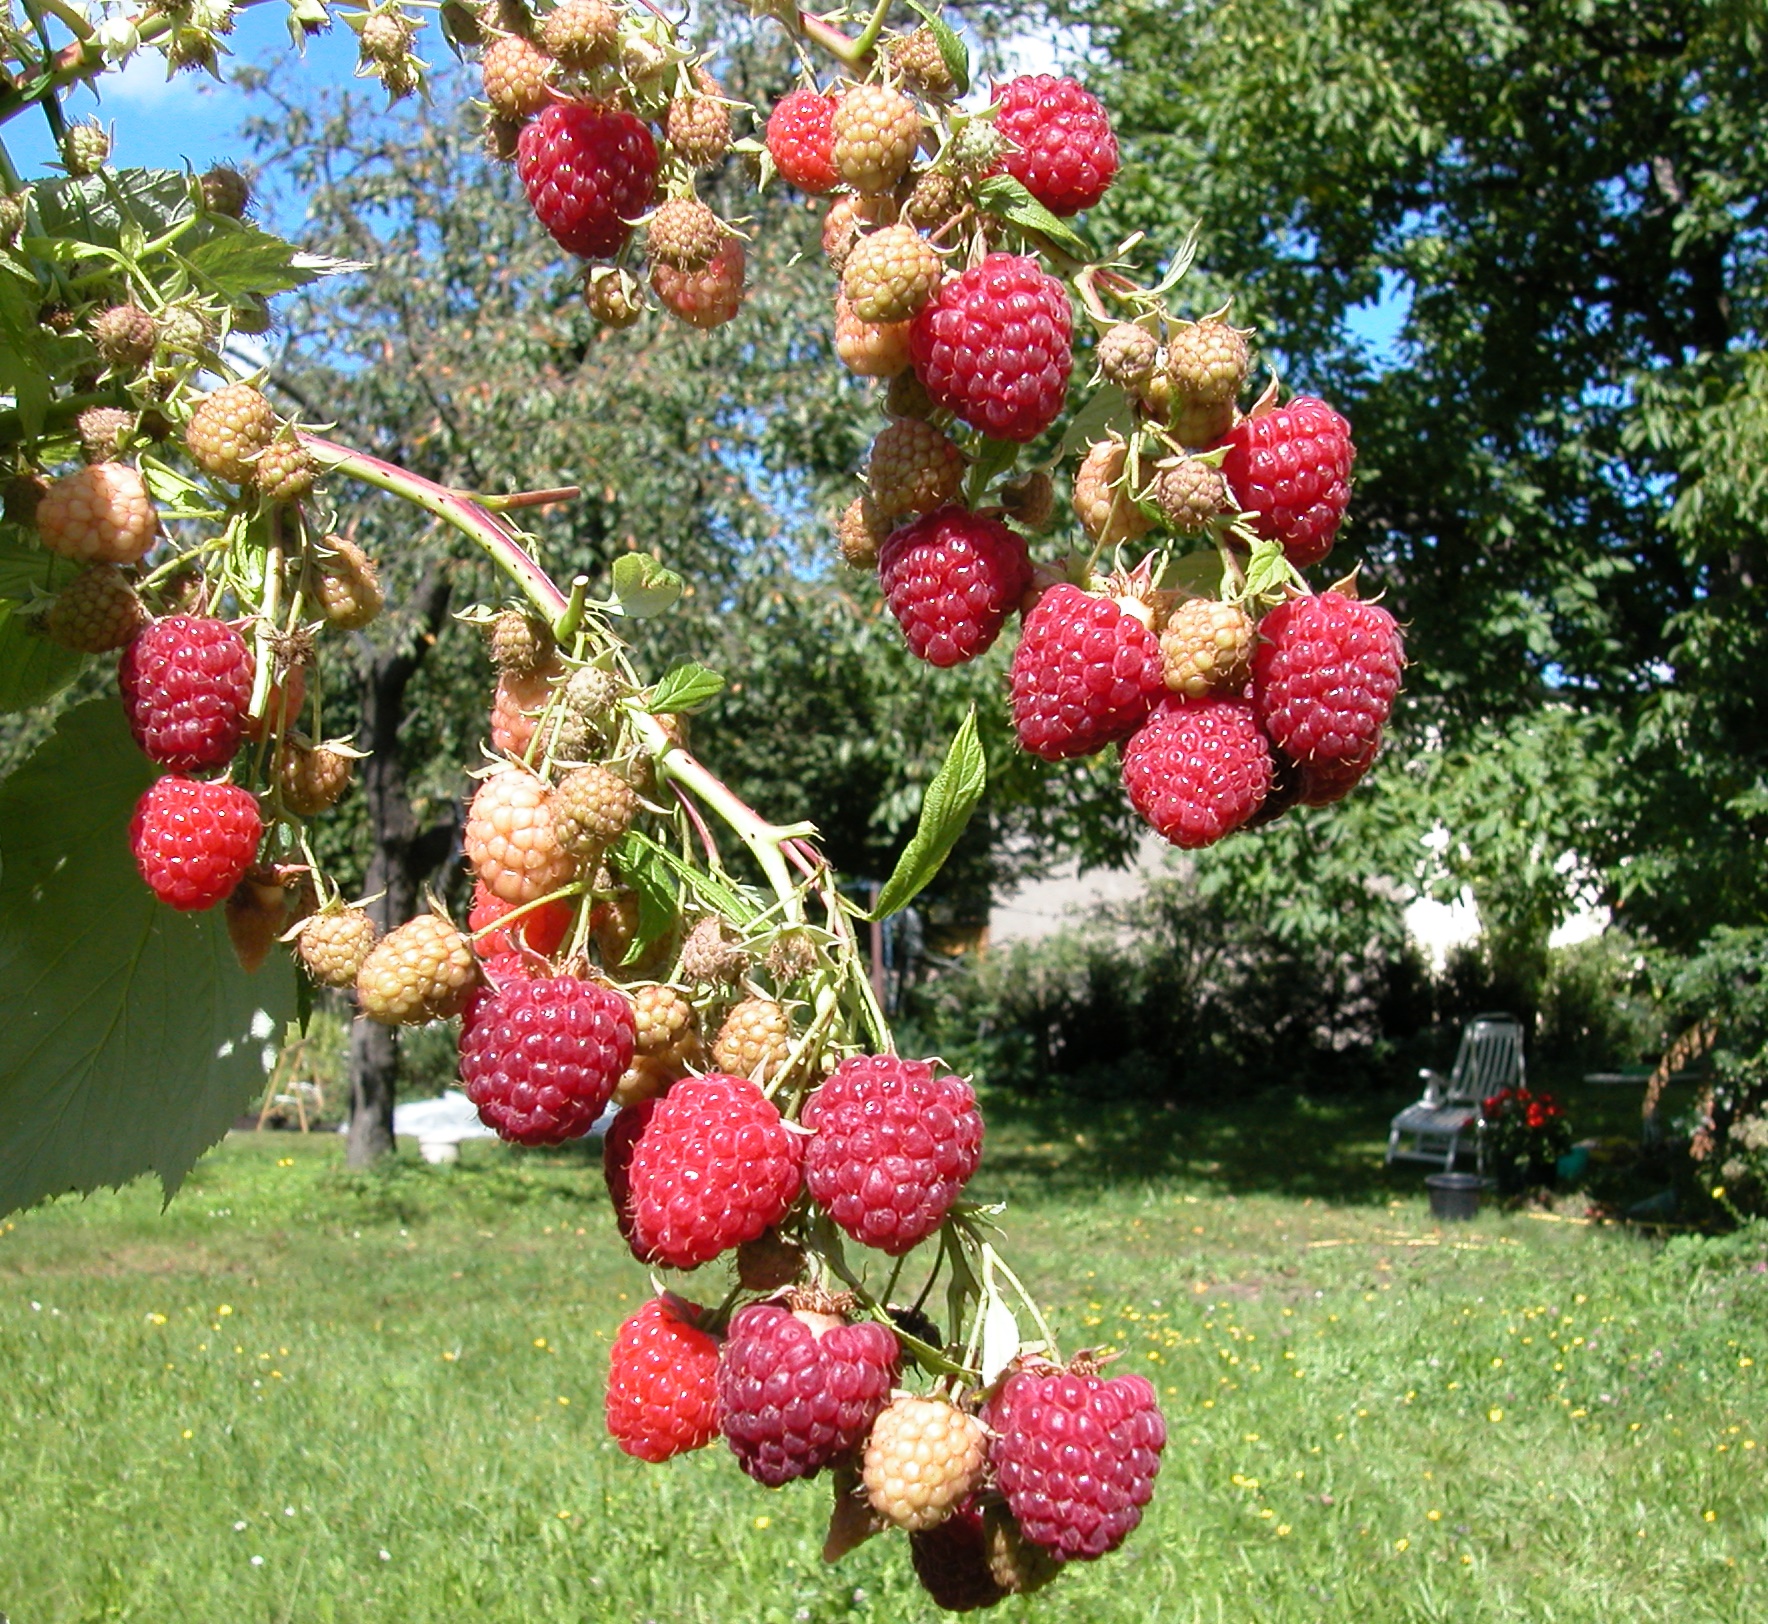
(1454, 1195)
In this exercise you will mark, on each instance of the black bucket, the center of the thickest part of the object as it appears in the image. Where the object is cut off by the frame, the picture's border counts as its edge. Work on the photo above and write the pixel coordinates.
(1454, 1195)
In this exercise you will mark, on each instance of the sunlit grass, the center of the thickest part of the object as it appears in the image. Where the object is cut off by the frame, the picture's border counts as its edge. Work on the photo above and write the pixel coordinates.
(297, 1395)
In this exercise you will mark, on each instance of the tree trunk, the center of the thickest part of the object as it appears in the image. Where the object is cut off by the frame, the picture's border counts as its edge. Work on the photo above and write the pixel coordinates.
(402, 855)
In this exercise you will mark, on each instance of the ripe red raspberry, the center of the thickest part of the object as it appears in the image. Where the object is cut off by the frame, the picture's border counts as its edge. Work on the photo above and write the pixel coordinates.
(714, 1167)
(993, 345)
(707, 297)
(510, 838)
(193, 842)
(951, 1561)
(100, 514)
(1291, 468)
(892, 1146)
(1325, 782)
(1075, 1456)
(1325, 674)
(799, 1390)
(618, 1145)
(662, 1382)
(801, 139)
(1063, 150)
(1198, 769)
(951, 580)
(1086, 674)
(541, 1057)
(541, 930)
(588, 171)
(185, 682)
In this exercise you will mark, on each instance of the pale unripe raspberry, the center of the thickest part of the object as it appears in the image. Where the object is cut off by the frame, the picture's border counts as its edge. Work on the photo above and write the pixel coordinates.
(841, 228)
(386, 37)
(1207, 648)
(592, 808)
(515, 76)
(906, 396)
(312, 778)
(95, 612)
(334, 945)
(1206, 367)
(918, 59)
(182, 329)
(614, 923)
(792, 954)
(101, 514)
(229, 430)
(1102, 499)
(668, 1030)
(516, 707)
(503, 137)
(1030, 500)
(698, 125)
(890, 274)
(86, 148)
(512, 841)
(348, 585)
(104, 432)
(582, 33)
(876, 132)
(124, 336)
(612, 296)
(870, 349)
(1192, 496)
(1128, 355)
(710, 955)
(423, 971)
(645, 1080)
(923, 1458)
(520, 642)
(707, 297)
(913, 468)
(861, 533)
(286, 471)
(754, 1041)
(935, 199)
(685, 234)
(226, 191)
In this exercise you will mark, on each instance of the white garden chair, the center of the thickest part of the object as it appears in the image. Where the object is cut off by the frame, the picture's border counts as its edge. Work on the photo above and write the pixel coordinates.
(1490, 1058)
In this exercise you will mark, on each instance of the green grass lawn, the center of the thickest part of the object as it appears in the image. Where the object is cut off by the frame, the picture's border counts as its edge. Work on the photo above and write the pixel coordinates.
(300, 1395)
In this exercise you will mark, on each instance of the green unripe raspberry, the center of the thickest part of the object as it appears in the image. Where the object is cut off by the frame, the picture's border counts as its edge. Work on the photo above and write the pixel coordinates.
(86, 148)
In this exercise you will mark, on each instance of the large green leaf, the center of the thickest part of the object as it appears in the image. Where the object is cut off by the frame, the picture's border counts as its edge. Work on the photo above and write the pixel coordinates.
(945, 810)
(129, 1037)
(25, 566)
(31, 667)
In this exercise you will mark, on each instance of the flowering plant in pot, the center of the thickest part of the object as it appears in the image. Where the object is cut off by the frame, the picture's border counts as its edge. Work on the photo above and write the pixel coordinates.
(1522, 1135)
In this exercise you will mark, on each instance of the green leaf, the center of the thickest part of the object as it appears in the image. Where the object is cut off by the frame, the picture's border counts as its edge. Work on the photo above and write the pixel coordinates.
(643, 587)
(1003, 196)
(26, 364)
(993, 459)
(706, 888)
(684, 689)
(1107, 411)
(103, 209)
(130, 1039)
(246, 260)
(945, 810)
(1268, 572)
(1198, 573)
(659, 903)
(26, 568)
(952, 50)
(31, 667)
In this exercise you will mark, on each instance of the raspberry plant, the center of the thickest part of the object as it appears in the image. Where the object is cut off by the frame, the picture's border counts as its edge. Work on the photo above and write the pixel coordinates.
(619, 949)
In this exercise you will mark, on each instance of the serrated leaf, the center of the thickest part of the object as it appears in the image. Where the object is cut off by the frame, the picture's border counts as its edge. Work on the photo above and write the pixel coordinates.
(643, 587)
(26, 568)
(1198, 573)
(26, 364)
(246, 260)
(1000, 1337)
(706, 888)
(952, 51)
(1108, 411)
(103, 209)
(130, 1039)
(1003, 196)
(32, 668)
(659, 903)
(945, 811)
(1267, 572)
(684, 688)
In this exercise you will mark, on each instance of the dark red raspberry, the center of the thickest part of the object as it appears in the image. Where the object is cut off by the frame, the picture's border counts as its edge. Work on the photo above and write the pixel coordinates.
(993, 345)
(662, 1382)
(1198, 769)
(714, 1167)
(193, 842)
(618, 1144)
(186, 682)
(893, 1144)
(588, 171)
(1324, 676)
(1086, 674)
(495, 973)
(1075, 1456)
(540, 930)
(1292, 469)
(1063, 150)
(951, 579)
(541, 1057)
(1325, 782)
(951, 1561)
(797, 1391)
(801, 139)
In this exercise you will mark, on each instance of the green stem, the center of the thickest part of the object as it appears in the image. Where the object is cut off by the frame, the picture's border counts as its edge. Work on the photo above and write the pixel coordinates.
(8, 171)
(862, 47)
